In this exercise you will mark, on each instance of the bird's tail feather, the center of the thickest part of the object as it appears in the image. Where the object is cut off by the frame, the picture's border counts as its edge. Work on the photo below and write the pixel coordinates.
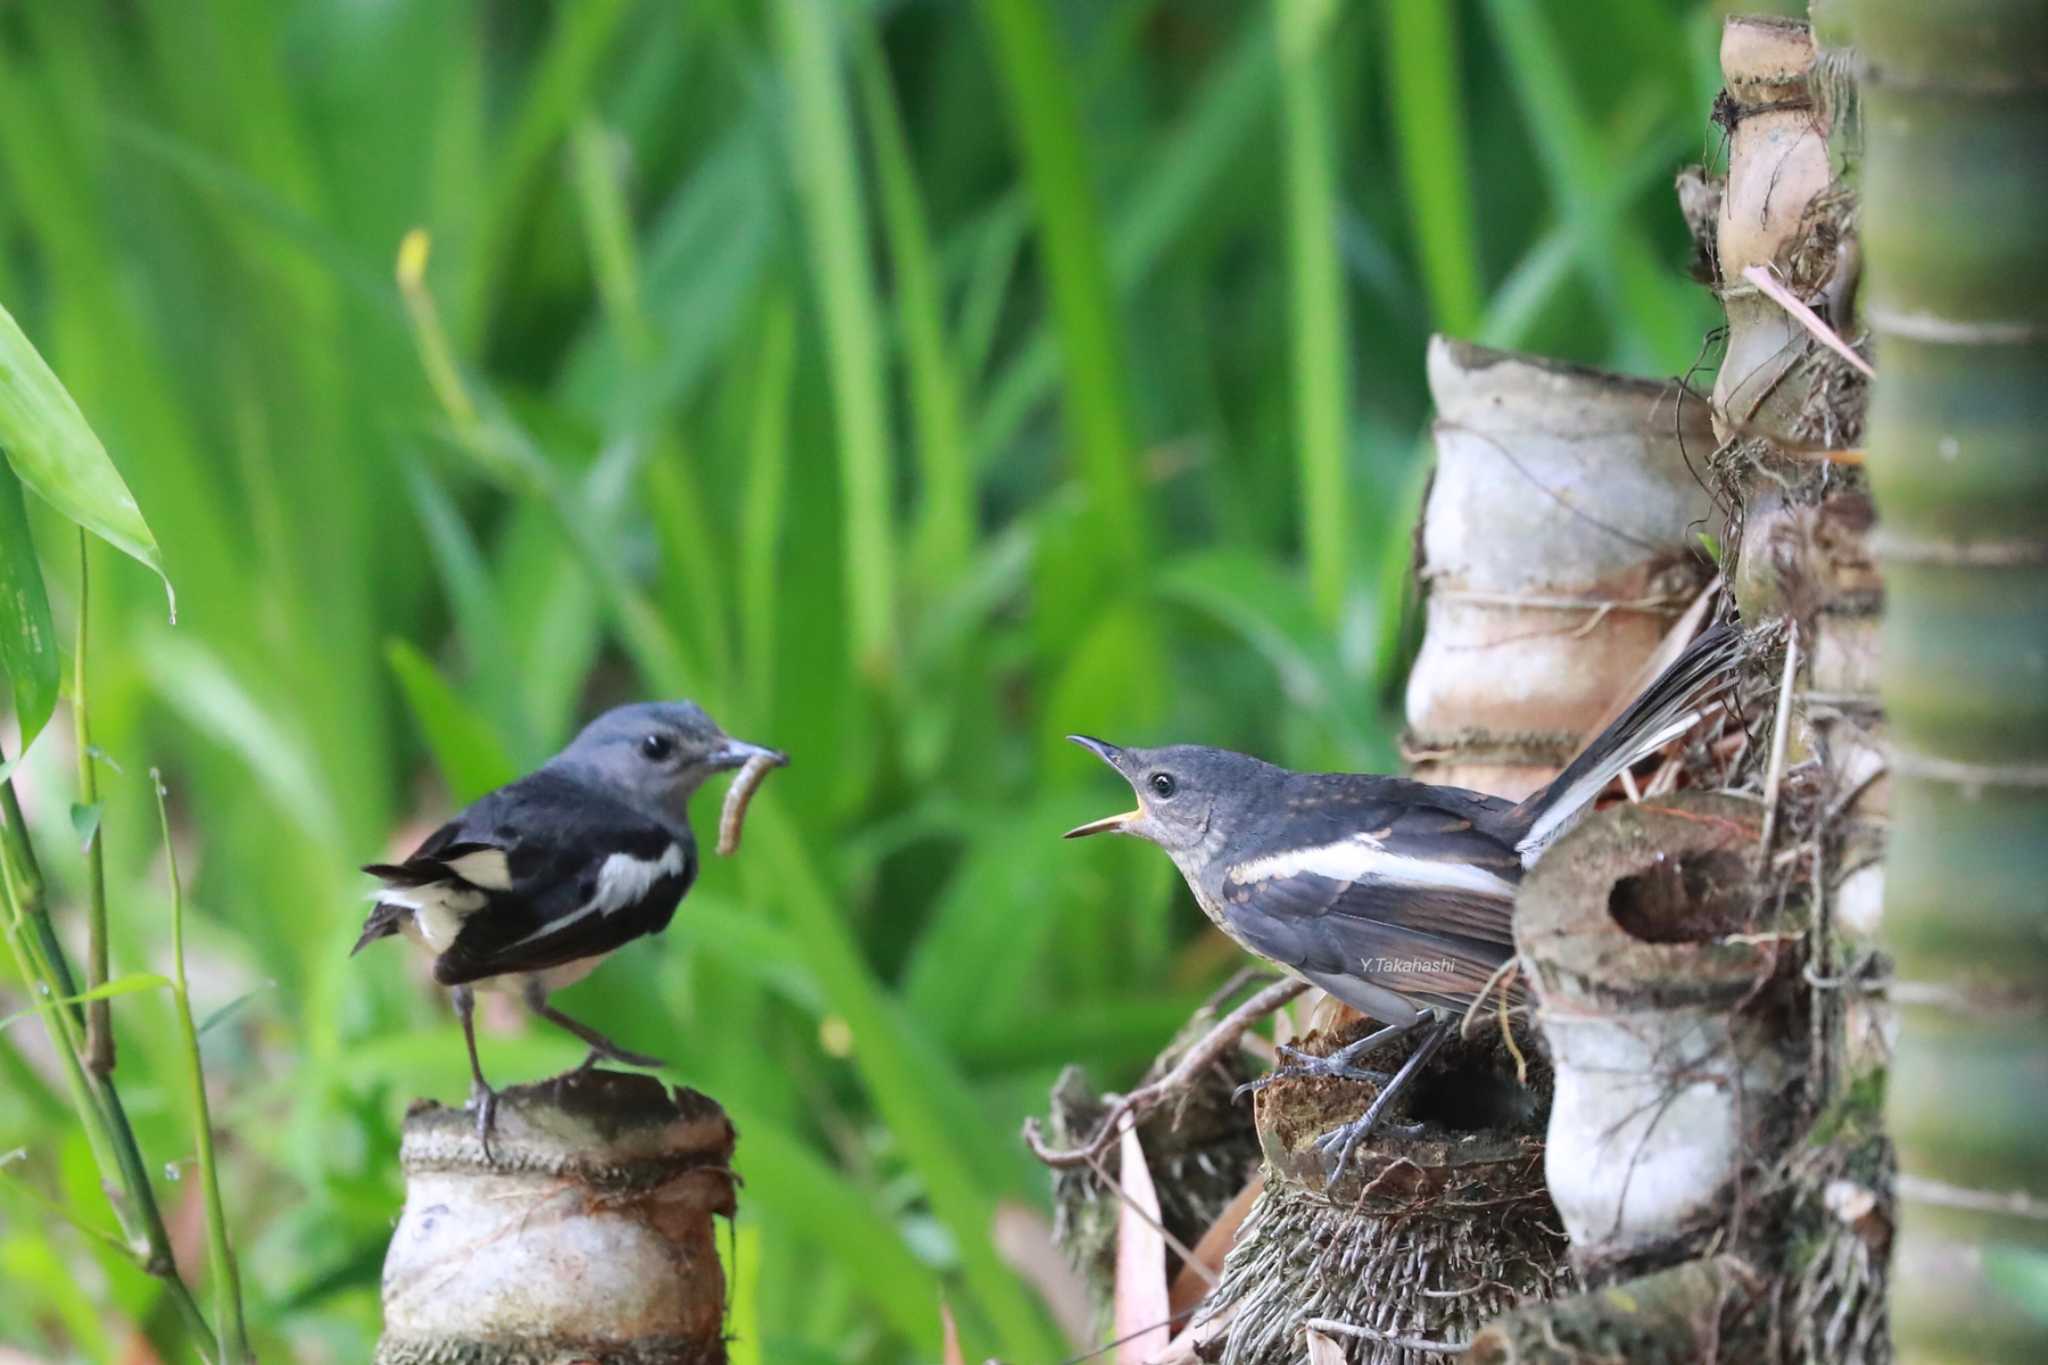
(384, 921)
(1666, 709)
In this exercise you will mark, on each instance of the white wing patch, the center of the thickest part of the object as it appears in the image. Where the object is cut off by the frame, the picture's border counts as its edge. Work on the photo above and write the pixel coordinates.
(438, 909)
(622, 880)
(485, 867)
(1362, 858)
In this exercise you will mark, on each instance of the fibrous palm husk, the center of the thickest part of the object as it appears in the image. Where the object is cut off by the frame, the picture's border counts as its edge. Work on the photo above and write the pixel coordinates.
(1422, 1240)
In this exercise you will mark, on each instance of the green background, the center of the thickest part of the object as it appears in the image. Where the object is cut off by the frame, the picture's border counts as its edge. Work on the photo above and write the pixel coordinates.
(909, 384)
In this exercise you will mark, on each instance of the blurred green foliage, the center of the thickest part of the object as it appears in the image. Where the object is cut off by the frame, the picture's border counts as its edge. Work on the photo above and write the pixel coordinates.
(911, 384)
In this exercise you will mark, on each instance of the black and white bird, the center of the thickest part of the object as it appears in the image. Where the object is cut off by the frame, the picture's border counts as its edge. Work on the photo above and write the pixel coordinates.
(1395, 896)
(530, 887)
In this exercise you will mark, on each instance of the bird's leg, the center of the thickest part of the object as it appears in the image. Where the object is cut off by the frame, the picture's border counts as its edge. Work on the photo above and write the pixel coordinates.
(1343, 1140)
(600, 1046)
(482, 1098)
(1338, 1065)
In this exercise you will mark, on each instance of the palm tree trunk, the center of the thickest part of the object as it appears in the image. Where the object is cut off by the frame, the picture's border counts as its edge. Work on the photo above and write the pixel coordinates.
(1955, 100)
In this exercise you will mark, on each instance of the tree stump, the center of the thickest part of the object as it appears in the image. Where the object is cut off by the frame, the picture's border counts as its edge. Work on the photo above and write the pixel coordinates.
(588, 1237)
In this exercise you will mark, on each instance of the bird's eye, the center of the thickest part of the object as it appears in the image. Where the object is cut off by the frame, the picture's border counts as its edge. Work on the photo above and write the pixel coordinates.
(1162, 785)
(656, 747)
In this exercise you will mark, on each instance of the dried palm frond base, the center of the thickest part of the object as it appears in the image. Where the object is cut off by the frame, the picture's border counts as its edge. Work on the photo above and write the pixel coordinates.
(1200, 1150)
(1838, 1233)
(1422, 1241)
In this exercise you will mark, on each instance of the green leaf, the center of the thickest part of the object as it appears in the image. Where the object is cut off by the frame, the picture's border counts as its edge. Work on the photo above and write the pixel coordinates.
(85, 822)
(120, 985)
(468, 752)
(829, 190)
(232, 1008)
(28, 640)
(1316, 321)
(55, 453)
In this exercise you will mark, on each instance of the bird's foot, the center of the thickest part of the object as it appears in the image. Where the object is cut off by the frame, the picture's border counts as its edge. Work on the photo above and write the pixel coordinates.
(618, 1054)
(1338, 1144)
(484, 1102)
(1337, 1066)
(1306, 1065)
(633, 1059)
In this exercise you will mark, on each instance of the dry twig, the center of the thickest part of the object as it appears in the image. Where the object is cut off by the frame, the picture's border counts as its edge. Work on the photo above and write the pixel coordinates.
(1142, 1101)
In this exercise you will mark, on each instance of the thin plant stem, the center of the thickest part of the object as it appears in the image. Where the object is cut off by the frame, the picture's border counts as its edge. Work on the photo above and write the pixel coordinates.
(436, 355)
(62, 1027)
(99, 1028)
(46, 974)
(220, 1255)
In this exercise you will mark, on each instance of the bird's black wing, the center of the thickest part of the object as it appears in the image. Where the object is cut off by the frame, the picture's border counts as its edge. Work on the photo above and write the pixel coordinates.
(555, 871)
(1392, 883)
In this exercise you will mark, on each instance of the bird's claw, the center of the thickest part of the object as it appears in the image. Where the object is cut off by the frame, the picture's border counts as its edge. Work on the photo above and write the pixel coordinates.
(1345, 1139)
(1304, 1065)
(484, 1101)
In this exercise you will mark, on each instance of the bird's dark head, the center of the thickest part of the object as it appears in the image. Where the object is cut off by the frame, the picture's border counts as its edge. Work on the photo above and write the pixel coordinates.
(1191, 799)
(656, 753)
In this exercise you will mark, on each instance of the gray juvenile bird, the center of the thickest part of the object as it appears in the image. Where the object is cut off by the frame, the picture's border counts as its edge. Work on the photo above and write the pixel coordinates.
(530, 887)
(1395, 896)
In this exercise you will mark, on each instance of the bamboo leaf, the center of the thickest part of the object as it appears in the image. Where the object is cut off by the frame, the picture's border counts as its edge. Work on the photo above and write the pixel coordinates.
(28, 639)
(131, 984)
(85, 823)
(51, 448)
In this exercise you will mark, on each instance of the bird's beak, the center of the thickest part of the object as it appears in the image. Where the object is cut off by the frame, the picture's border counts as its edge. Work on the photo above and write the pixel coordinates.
(1108, 824)
(737, 753)
(1113, 824)
(1101, 748)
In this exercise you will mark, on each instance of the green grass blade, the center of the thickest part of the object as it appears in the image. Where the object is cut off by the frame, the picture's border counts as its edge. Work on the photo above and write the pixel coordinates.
(821, 148)
(471, 757)
(1436, 168)
(1172, 192)
(916, 1091)
(1317, 315)
(1047, 123)
(764, 498)
(1517, 304)
(596, 157)
(1657, 314)
(556, 91)
(946, 518)
(789, 1185)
